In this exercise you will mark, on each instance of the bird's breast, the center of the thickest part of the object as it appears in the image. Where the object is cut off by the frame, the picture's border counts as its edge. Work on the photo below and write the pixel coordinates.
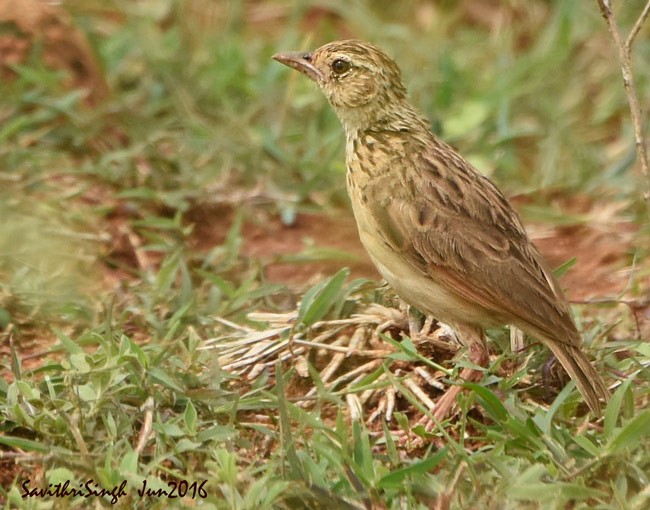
(374, 187)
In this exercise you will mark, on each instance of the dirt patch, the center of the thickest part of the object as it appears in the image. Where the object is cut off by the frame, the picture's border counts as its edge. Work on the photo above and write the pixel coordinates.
(601, 269)
(26, 24)
(327, 243)
(338, 233)
(602, 259)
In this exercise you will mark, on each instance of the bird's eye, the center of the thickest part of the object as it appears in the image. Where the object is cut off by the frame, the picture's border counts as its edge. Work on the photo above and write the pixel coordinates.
(340, 66)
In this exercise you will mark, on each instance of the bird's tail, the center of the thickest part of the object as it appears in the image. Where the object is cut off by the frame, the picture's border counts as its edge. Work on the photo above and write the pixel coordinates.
(588, 380)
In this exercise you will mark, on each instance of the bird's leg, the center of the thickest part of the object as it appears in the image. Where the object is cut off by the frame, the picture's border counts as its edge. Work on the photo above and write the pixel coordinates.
(415, 321)
(420, 330)
(477, 353)
(547, 374)
(475, 341)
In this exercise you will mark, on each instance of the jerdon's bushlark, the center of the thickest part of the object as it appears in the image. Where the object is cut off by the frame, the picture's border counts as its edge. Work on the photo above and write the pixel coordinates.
(440, 233)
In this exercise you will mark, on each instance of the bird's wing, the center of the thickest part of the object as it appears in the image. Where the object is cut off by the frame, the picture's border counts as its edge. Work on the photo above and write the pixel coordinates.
(466, 236)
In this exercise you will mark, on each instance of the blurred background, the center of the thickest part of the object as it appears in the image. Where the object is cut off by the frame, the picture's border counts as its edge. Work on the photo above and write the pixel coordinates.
(128, 128)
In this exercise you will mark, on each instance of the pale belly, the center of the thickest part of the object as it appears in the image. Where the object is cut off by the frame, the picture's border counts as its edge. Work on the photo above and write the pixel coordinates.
(421, 291)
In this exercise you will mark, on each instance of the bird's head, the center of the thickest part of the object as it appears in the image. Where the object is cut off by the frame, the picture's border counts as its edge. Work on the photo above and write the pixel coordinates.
(361, 82)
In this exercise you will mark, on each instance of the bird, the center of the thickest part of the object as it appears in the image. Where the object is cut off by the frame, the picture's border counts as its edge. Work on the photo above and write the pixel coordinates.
(440, 233)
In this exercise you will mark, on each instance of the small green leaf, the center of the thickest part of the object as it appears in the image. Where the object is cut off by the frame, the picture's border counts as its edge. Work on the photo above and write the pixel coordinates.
(631, 433)
(128, 348)
(67, 343)
(362, 452)
(613, 409)
(564, 267)
(60, 475)
(87, 393)
(394, 479)
(319, 299)
(391, 447)
(586, 445)
(5, 318)
(168, 272)
(544, 420)
(287, 443)
(216, 433)
(109, 423)
(129, 463)
(24, 444)
(28, 392)
(79, 363)
(190, 417)
(169, 429)
(162, 377)
(185, 445)
(489, 401)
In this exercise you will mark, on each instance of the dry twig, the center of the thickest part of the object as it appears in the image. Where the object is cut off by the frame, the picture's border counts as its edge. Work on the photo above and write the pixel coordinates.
(147, 427)
(624, 54)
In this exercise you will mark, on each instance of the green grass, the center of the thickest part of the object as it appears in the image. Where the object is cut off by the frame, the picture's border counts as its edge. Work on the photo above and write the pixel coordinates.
(107, 306)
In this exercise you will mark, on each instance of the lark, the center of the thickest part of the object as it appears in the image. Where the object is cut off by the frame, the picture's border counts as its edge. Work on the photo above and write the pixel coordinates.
(440, 233)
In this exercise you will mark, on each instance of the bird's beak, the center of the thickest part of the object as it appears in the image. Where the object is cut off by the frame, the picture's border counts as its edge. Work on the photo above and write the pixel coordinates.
(300, 61)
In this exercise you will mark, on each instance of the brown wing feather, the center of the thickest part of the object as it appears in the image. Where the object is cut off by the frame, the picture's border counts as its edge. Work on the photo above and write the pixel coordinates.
(479, 250)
